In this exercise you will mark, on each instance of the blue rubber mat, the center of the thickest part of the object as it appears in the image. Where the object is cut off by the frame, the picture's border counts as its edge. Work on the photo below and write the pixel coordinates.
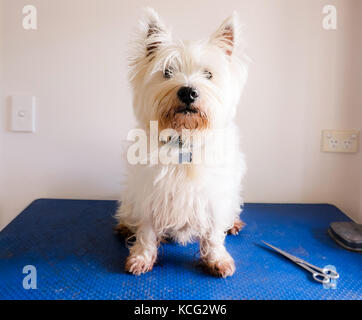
(77, 256)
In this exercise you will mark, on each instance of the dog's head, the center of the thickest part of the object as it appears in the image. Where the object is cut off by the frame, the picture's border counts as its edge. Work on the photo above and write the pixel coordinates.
(186, 85)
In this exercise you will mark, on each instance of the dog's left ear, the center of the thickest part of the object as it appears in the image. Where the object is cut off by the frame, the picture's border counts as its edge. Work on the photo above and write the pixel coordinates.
(227, 36)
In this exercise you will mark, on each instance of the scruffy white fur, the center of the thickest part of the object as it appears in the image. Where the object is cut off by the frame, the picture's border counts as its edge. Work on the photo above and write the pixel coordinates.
(185, 201)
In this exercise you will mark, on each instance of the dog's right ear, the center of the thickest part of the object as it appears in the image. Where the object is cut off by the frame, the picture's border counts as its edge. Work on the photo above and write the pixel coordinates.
(155, 34)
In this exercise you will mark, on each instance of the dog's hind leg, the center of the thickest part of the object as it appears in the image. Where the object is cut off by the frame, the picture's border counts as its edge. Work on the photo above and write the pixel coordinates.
(124, 212)
(123, 230)
(237, 227)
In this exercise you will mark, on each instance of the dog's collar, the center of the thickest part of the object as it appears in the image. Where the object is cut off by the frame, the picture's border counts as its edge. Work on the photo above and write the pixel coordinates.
(184, 156)
(173, 142)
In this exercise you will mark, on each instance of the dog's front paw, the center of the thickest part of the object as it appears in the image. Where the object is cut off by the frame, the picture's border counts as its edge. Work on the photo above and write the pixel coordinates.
(221, 268)
(137, 264)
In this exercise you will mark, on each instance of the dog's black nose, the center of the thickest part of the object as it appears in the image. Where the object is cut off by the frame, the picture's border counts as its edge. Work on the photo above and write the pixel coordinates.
(187, 95)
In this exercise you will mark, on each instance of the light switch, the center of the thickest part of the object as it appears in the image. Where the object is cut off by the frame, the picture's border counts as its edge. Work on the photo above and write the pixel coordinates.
(23, 113)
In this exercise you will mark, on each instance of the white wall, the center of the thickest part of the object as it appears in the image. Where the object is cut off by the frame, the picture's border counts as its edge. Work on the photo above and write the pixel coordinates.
(303, 79)
(357, 81)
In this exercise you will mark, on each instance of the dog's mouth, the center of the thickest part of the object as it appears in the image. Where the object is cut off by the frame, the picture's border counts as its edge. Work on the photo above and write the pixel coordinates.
(186, 116)
(186, 110)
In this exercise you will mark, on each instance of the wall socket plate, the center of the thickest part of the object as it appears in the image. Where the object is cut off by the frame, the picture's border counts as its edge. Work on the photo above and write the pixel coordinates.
(343, 141)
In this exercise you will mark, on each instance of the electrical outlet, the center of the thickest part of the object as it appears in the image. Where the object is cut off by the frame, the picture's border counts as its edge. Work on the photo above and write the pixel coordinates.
(23, 114)
(345, 141)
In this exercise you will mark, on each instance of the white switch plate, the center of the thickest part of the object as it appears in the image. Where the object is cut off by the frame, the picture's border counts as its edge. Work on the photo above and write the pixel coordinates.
(345, 141)
(23, 113)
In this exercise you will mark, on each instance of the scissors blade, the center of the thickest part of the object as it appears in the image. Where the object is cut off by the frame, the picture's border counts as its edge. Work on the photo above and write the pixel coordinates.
(286, 254)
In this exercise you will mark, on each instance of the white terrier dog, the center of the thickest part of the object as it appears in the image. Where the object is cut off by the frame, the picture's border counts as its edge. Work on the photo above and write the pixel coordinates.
(194, 86)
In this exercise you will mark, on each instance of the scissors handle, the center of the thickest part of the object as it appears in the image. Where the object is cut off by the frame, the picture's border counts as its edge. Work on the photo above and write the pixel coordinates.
(331, 273)
(317, 276)
(321, 275)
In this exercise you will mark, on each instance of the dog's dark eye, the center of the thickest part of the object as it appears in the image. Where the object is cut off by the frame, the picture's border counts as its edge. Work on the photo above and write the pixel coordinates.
(208, 74)
(168, 73)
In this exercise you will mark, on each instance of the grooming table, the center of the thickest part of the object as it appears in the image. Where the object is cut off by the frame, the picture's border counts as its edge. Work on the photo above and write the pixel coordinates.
(78, 256)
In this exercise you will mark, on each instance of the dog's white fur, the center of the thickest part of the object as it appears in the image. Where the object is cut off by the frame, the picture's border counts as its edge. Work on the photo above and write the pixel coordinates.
(185, 201)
